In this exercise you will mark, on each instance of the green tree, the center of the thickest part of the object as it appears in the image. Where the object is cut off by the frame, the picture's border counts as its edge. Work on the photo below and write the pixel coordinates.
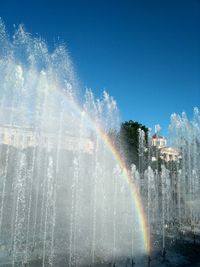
(129, 139)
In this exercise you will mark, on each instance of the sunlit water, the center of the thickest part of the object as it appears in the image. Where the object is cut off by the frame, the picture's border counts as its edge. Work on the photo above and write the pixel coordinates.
(63, 198)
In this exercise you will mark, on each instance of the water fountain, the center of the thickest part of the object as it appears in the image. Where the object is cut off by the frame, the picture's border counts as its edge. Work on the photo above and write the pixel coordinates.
(185, 134)
(64, 198)
(170, 185)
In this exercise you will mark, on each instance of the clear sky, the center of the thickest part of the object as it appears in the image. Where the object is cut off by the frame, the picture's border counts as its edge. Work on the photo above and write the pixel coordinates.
(144, 53)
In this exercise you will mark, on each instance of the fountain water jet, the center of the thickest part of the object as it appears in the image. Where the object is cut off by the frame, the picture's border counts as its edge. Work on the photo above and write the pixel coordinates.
(63, 198)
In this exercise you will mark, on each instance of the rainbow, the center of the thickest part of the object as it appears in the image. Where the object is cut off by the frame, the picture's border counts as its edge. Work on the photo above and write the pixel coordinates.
(128, 178)
(144, 226)
(133, 189)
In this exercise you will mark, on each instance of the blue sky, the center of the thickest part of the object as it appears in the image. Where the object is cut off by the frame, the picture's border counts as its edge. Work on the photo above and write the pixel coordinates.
(144, 53)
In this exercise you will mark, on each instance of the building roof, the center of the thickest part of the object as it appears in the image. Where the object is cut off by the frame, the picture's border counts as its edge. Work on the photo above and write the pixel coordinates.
(157, 136)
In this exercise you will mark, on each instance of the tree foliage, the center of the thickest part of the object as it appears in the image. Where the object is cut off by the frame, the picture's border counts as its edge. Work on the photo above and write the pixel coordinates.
(127, 140)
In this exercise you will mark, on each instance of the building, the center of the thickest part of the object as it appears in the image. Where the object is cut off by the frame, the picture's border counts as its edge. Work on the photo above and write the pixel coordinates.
(158, 141)
(169, 154)
(165, 153)
(24, 137)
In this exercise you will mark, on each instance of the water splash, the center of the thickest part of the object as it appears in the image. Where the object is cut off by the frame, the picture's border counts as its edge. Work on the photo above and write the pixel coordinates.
(62, 198)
